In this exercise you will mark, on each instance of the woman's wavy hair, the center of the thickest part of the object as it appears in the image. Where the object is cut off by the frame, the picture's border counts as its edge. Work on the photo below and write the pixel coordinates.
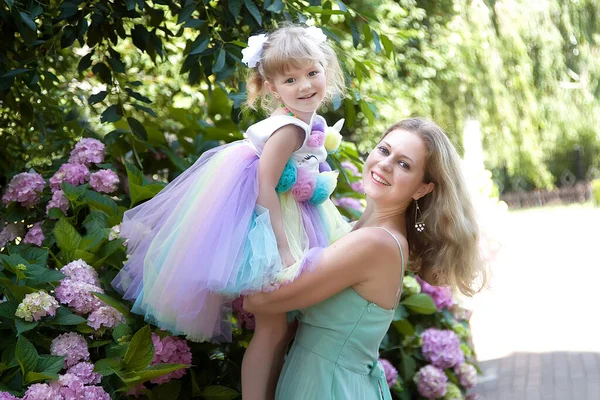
(447, 252)
(291, 47)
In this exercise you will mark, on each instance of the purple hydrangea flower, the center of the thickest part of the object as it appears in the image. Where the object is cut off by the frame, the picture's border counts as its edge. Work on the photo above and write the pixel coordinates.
(105, 316)
(441, 295)
(441, 347)
(80, 271)
(78, 296)
(25, 188)
(350, 167)
(70, 386)
(58, 201)
(105, 181)
(431, 382)
(358, 187)
(95, 393)
(471, 396)
(170, 350)
(85, 372)
(37, 305)
(391, 373)
(35, 235)
(467, 375)
(71, 345)
(11, 232)
(87, 151)
(115, 233)
(349, 202)
(244, 318)
(7, 396)
(41, 391)
(75, 174)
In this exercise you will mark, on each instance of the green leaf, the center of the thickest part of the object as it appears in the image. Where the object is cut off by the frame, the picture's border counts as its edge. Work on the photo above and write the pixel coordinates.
(67, 238)
(113, 303)
(64, 316)
(377, 42)
(216, 392)
(140, 351)
(408, 366)
(138, 96)
(145, 109)
(140, 37)
(85, 62)
(28, 21)
(364, 107)
(152, 372)
(111, 114)
(9, 3)
(219, 60)
(235, 7)
(67, 10)
(276, 7)
(420, 303)
(72, 193)
(186, 12)
(16, 292)
(106, 366)
(200, 44)
(26, 355)
(387, 45)
(121, 331)
(400, 313)
(253, 10)
(8, 309)
(101, 202)
(37, 275)
(50, 364)
(355, 34)
(167, 391)
(103, 72)
(97, 98)
(24, 326)
(137, 128)
(15, 72)
(404, 327)
(33, 377)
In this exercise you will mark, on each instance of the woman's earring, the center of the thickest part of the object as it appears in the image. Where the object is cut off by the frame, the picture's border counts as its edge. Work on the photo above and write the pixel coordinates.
(419, 223)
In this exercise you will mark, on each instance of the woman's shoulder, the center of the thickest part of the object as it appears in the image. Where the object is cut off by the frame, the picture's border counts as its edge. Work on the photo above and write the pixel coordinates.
(376, 241)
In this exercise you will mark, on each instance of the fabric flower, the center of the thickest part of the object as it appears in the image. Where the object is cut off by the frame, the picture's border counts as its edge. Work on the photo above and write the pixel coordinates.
(441, 347)
(37, 305)
(78, 296)
(244, 318)
(11, 232)
(251, 54)
(349, 203)
(170, 350)
(75, 174)
(104, 181)
(41, 391)
(35, 235)
(324, 186)
(87, 151)
(305, 185)
(105, 316)
(453, 392)
(441, 295)
(324, 167)
(431, 382)
(58, 201)
(24, 188)
(7, 396)
(319, 124)
(72, 346)
(467, 375)
(316, 139)
(391, 373)
(85, 372)
(410, 285)
(333, 137)
(288, 178)
(80, 271)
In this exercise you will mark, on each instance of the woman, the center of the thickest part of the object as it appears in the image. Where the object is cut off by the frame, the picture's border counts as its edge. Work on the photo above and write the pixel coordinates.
(418, 212)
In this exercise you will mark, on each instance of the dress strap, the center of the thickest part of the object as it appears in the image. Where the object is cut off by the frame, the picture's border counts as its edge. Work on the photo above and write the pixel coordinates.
(399, 293)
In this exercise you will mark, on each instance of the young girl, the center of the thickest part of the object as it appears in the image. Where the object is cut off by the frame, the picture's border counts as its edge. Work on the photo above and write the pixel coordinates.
(247, 216)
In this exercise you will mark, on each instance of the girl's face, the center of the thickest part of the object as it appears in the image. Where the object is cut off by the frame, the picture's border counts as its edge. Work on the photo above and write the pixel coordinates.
(393, 173)
(301, 89)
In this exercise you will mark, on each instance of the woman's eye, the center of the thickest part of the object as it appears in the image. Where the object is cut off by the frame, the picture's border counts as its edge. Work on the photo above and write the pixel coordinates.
(404, 165)
(383, 150)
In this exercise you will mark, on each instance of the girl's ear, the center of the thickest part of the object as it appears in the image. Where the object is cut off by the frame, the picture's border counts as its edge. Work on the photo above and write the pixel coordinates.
(271, 88)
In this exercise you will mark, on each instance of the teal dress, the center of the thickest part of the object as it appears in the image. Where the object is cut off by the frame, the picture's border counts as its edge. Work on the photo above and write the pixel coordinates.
(336, 348)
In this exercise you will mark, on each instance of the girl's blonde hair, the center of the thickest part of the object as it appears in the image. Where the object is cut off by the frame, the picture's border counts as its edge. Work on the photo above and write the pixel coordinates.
(447, 251)
(291, 47)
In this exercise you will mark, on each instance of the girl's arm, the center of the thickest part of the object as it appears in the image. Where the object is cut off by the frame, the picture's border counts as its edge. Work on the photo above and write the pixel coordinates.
(349, 261)
(276, 153)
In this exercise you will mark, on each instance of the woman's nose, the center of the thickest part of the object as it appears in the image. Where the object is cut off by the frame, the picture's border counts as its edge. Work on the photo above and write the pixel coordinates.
(385, 164)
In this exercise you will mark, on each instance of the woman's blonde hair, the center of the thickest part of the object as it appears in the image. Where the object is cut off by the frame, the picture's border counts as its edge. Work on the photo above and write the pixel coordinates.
(447, 251)
(291, 47)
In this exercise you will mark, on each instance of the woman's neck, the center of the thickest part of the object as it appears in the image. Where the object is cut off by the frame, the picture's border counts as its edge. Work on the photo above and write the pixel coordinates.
(392, 218)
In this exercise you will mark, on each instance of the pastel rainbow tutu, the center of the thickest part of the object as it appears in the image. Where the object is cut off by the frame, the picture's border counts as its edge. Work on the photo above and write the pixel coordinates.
(203, 241)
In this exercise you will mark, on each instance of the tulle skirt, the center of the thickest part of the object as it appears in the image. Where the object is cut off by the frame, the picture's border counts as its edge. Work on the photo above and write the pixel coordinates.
(203, 241)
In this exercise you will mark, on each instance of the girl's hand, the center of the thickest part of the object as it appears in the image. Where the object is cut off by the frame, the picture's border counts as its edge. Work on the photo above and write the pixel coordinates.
(287, 259)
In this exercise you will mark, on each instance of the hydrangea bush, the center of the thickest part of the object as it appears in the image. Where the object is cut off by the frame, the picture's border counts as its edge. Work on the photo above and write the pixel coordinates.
(66, 334)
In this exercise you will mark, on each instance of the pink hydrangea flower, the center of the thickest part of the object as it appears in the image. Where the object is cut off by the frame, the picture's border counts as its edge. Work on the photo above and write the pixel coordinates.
(358, 187)
(104, 181)
(305, 185)
(69, 386)
(391, 373)
(441, 347)
(316, 139)
(350, 167)
(441, 295)
(78, 296)
(105, 316)
(80, 271)
(7, 396)
(431, 382)
(349, 203)
(72, 346)
(11, 232)
(35, 235)
(244, 318)
(85, 372)
(58, 201)
(87, 151)
(25, 188)
(37, 305)
(75, 174)
(170, 350)
(41, 391)
(467, 375)
(95, 393)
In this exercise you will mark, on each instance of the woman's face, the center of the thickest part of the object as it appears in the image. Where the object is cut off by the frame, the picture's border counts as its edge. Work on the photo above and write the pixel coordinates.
(393, 173)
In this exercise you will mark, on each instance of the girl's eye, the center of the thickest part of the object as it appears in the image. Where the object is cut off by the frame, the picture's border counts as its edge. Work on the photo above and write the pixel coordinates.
(290, 80)
(383, 150)
(313, 73)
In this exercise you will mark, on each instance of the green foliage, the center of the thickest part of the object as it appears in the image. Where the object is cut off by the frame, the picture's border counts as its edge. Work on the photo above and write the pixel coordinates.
(596, 191)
